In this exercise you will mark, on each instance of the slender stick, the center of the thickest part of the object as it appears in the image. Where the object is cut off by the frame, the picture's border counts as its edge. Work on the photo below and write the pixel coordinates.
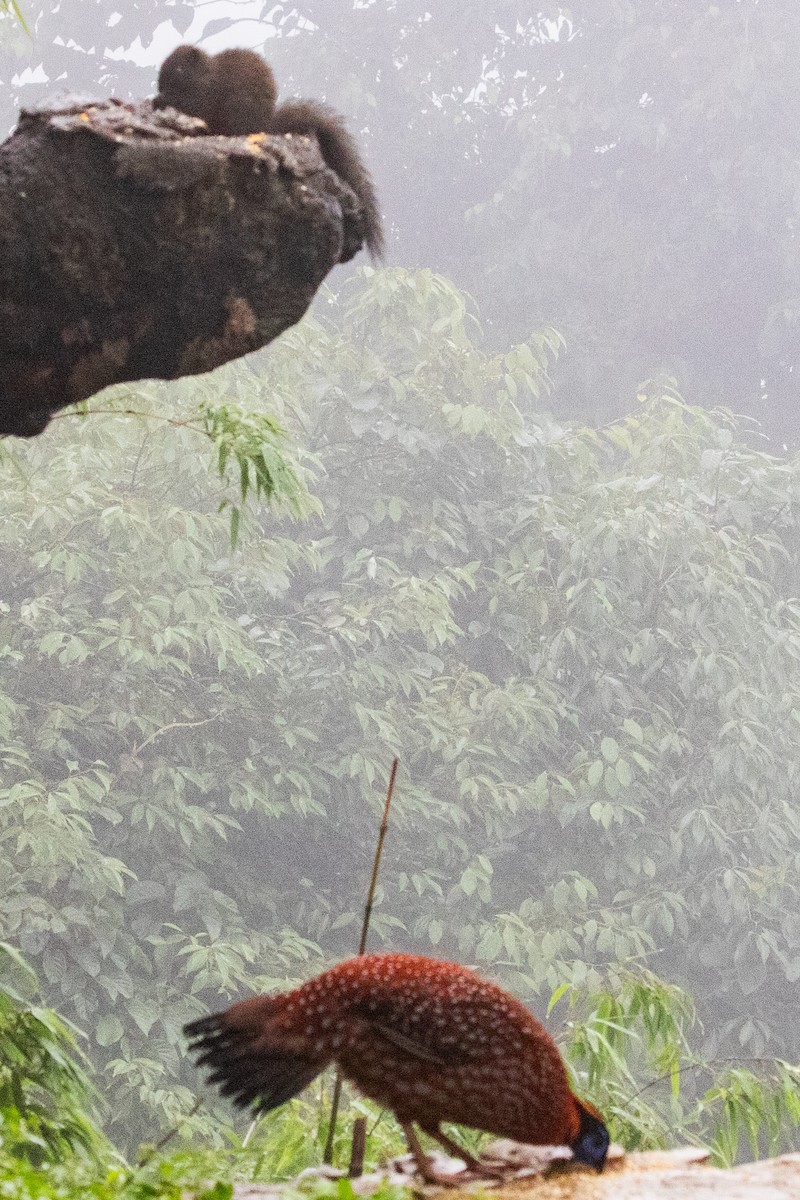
(699, 1066)
(359, 1146)
(167, 1138)
(327, 1154)
(362, 945)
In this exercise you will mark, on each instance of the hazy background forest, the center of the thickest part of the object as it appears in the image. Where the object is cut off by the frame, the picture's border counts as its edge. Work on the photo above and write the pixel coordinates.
(518, 539)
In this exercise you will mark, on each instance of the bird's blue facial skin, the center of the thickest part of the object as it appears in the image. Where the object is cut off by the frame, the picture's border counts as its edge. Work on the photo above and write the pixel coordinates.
(591, 1144)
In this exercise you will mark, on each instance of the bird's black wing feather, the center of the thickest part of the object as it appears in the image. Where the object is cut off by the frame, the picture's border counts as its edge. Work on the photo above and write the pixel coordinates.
(247, 1069)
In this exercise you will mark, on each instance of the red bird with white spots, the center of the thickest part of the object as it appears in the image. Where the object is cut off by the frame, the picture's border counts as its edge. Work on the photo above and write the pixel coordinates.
(430, 1040)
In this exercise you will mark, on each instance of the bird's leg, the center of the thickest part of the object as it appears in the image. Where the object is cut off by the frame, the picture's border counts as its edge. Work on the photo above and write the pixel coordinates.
(473, 1165)
(423, 1165)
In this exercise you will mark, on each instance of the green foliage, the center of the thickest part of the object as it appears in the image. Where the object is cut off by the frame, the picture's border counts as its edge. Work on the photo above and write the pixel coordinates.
(252, 443)
(635, 1027)
(249, 445)
(203, 1175)
(47, 1101)
(583, 645)
(12, 8)
(633, 1049)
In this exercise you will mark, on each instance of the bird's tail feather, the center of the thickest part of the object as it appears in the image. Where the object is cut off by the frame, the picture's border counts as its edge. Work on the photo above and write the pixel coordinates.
(250, 1056)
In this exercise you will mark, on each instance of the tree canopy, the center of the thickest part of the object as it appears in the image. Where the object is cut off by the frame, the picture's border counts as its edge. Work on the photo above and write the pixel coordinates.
(222, 617)
(582, 644)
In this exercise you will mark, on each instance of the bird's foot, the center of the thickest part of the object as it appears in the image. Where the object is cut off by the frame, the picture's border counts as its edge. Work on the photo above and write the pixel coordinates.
(472, 1171)
(447, 1179)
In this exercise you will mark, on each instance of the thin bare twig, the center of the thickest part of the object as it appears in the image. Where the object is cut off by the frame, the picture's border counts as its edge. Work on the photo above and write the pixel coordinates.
(167, 1138)
(362, 945)
(327, 1154)
(175, 725)
(129, 412)
(702, 1066)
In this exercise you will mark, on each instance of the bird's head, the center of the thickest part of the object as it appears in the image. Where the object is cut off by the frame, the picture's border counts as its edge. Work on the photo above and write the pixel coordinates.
(591, 1144)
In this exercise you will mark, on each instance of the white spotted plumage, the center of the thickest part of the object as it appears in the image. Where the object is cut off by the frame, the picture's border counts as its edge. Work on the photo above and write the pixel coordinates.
(430, 1040)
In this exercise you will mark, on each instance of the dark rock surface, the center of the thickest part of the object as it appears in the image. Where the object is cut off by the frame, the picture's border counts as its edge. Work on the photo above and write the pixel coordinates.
(133, 245)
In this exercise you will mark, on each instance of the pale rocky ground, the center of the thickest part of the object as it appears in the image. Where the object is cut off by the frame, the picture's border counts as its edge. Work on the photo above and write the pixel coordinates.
(534, 1174)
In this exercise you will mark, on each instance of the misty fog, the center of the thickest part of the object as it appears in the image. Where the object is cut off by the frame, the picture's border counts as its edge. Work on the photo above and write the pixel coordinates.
(537, 535)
